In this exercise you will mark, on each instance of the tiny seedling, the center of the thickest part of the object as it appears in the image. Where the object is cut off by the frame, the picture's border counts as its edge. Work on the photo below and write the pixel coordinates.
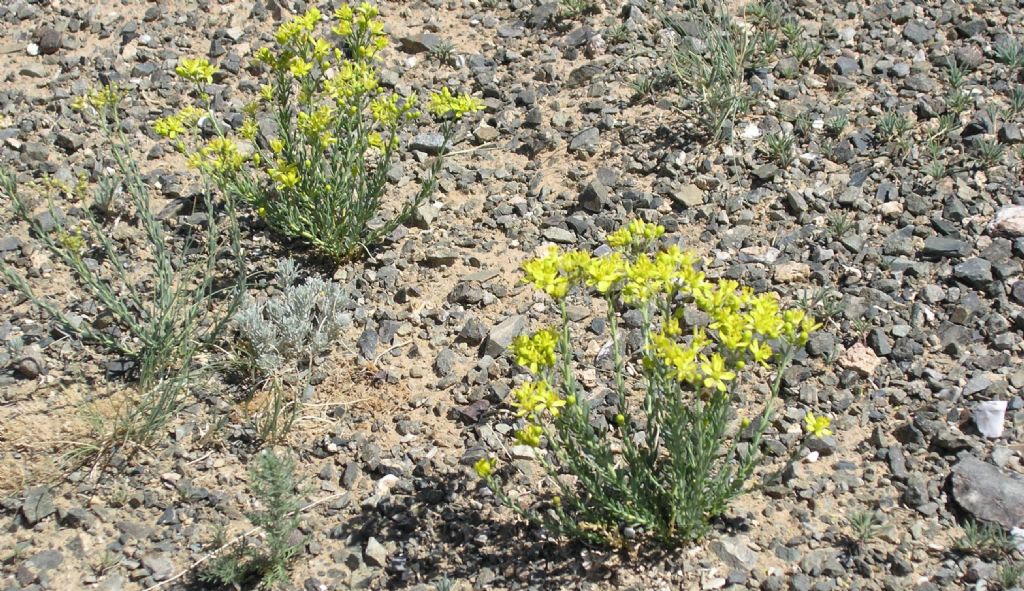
(444, 52)
(835, 125)
(989, 153)
(959, 101)
(1010, 575)
(839, 224)
(572, 9)
(866, 525)
(780, 148)
(892, 127)
(643, 87)
(1016, 101)
(1011, 53)
(806, 52)
(955, 74)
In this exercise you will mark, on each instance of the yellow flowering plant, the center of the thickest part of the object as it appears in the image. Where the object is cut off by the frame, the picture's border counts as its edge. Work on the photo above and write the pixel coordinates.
(666, 458)
(319, 172)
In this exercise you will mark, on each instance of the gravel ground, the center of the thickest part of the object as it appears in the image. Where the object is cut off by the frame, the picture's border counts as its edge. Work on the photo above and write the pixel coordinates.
(924, 325)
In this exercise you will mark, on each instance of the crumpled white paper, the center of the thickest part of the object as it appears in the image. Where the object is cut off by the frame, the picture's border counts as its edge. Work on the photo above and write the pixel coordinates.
(988, 416)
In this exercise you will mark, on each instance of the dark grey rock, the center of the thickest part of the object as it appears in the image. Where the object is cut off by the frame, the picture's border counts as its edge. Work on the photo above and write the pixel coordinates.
(367, 343)
(585, 141)
(502, 335)
(987, 493)
(594, 197)
(444, 363)
(847, 66)
(976, 272)
(473, 331)
(945, 247)
(38, 504)
(917, 32)
(430, 142)
(48, 39)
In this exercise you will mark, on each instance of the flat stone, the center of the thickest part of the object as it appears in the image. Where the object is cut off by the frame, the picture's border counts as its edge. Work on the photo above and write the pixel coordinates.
(987, 493)
(585, 141)
(689, 195)
(419, 43)
(792, 272)
(860, 359)
(735, 552)
(976, 272)
(917, 32)
(945, 247)
(375, 553)
(559, 235)
(502, 335)
(430, 142)
(38, 504)
(159, 565)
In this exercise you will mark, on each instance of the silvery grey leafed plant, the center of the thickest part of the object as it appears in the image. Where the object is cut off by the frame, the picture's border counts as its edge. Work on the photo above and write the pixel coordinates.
(295, 325)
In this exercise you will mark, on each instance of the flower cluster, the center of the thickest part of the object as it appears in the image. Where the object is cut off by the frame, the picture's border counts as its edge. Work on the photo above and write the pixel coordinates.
(444, 103)
(196, 70)
(104, 98)
(219, 156)
(537, 351)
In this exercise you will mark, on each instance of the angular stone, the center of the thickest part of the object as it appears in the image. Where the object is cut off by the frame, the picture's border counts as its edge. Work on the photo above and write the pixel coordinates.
(689, 195)
(430, 142)
(419, 43)
(976, 272)
(559, 235)
(917, 32)
(585, 141)
(375, 553)
(1008, 221)
(792, 272)
(502, 335)
(735, 552)
(987, 493)
(945, 247)
(38, 504)
(594, 197)
(860, 359)
(159, 565)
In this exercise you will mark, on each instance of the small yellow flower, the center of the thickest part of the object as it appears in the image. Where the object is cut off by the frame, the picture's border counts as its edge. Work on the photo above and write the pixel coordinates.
(285, 175)
(544, 274)
(533, 398)
(484, 467)
(530, 435)
(761, 352)
(169, 127)
(536, 352)
(817, 426)
(299, 67)
(716, 375)
(444, 103)
(197, 70)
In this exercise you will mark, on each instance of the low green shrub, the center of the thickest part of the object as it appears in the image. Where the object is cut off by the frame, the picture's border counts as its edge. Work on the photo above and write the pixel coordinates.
(313, 154)
(675, 452)
(278, 497)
